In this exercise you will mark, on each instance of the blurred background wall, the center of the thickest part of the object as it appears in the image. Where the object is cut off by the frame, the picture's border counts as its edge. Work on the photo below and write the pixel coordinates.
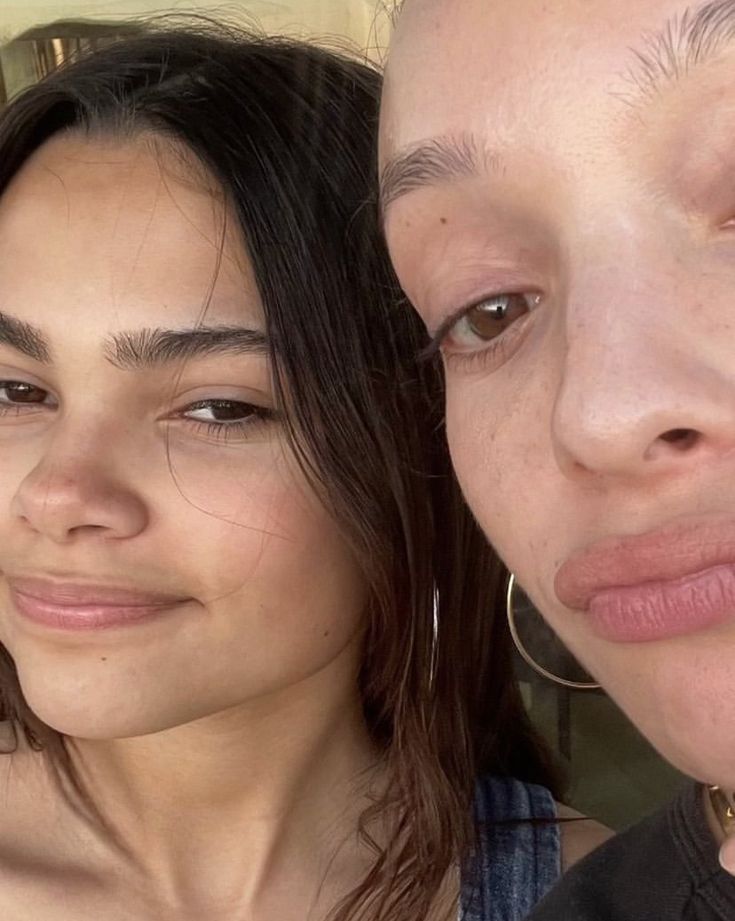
(27, 51)
(344, 17)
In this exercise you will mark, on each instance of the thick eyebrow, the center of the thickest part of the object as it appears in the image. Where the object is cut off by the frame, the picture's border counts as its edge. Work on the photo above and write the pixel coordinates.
(143, 348)
(685, 41)
(148, 348)
(24, 338)
(430, 163)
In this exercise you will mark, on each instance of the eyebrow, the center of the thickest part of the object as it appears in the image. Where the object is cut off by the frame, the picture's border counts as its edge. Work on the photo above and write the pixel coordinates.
(24, 338)
(148, 348)
(684, 42)
(429, 163)
(143, 348)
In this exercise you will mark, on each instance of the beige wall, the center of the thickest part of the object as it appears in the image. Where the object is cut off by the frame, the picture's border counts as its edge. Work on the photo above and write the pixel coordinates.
(358, 20)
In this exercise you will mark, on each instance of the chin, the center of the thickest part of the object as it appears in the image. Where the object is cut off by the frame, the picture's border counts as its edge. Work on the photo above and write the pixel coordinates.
(682, 698)
(704, 750)
(83, 719)
(96, 704)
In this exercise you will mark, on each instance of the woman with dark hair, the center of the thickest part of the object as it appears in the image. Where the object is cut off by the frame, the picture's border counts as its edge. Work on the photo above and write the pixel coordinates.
(241, 673)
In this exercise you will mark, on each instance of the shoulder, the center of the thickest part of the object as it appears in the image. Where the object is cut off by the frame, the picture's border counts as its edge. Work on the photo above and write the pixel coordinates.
(579, 835)
(505, 799)
(552, 826)
(517, 858)
(624, 879)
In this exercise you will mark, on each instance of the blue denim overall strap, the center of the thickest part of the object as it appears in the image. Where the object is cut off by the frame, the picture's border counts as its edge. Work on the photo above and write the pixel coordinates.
(516, 862)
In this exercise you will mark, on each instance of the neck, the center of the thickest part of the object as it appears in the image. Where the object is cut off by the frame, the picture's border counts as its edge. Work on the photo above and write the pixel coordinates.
(223, 810)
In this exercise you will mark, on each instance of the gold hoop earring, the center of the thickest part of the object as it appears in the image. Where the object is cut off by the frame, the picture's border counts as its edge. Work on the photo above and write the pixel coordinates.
(580, 685)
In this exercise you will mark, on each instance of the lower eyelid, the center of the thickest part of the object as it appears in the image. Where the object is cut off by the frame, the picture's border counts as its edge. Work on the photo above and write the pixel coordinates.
(239, 430)
(470, 361)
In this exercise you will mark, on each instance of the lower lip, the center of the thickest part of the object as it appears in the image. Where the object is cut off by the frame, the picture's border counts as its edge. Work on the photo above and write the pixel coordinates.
(659, 610)
(84, 617)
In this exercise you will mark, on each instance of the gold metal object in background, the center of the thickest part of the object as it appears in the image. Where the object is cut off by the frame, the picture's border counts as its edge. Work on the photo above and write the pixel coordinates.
(37, 52)
(724, 808)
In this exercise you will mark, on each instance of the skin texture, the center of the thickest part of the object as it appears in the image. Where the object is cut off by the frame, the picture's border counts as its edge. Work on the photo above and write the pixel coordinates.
(178, 722)
(611, 202)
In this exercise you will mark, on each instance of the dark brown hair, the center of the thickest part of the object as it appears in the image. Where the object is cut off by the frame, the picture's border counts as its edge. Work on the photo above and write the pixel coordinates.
(289, 131)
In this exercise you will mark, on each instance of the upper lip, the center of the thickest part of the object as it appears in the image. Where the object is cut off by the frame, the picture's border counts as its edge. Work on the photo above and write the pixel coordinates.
(72, 594)
(668, 553)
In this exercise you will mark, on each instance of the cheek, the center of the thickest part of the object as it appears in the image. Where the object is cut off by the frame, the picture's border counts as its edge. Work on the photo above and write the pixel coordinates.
(496, 445)
(239, 484)
(279, 549)
(17, 460)
(278, 597)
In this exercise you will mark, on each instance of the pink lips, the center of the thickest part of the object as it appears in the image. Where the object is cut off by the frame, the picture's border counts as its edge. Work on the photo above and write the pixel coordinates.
(69, 606)
(665, 583)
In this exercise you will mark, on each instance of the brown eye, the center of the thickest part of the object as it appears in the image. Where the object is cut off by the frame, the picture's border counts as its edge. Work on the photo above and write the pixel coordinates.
(491, 317)
(17, 392)
(486, 321)
(223, 411)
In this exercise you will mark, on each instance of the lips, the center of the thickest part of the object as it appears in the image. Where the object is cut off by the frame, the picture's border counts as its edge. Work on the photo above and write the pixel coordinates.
(79, 594)
(658, 556)
(84, 606)
(663, 583)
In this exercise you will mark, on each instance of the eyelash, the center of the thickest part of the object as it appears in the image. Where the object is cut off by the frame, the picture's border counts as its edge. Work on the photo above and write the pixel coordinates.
(494, 351)
(255, 416)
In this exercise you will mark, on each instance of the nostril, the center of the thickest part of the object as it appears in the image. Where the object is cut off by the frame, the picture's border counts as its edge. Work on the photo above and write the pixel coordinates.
(684, 439)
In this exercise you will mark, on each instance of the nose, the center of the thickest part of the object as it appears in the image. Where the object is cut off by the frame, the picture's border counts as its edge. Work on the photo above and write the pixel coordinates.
(646, 386)
(72, 495)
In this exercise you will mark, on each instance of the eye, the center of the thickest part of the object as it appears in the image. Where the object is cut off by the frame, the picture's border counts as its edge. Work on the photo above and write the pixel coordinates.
(222, 412)
(226, 419)
(487, 320)
(17, 395)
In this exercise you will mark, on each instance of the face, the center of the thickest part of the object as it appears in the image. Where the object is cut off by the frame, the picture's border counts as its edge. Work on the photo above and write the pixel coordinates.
(560, 208)
(161, 556)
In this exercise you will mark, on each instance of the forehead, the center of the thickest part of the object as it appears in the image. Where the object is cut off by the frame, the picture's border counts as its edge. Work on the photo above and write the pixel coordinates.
(132, 225)
(495, 68)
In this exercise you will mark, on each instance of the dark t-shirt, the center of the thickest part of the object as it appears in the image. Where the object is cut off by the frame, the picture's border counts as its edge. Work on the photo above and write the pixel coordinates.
(662, 869)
